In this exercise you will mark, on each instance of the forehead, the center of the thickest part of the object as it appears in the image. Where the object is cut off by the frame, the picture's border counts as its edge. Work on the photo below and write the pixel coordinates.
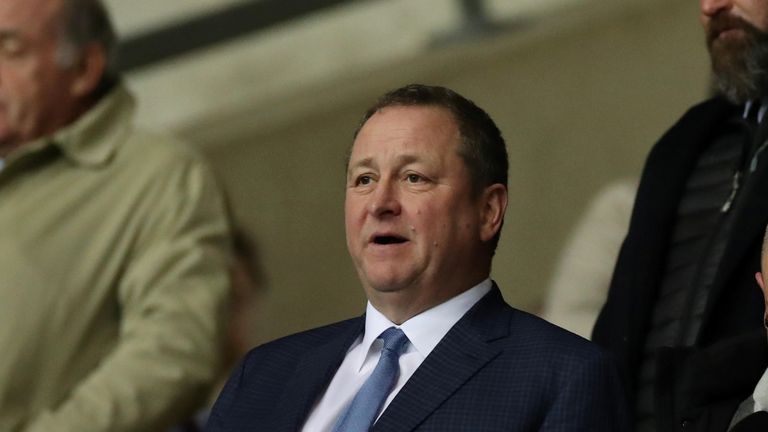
(417, 128)
(29, 17)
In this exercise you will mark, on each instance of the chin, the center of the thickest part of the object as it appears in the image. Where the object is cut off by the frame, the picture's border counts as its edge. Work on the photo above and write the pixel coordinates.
(387, 286)
(388, 283)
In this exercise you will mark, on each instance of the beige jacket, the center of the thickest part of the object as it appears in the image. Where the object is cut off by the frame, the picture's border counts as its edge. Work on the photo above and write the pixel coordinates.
(113, 276)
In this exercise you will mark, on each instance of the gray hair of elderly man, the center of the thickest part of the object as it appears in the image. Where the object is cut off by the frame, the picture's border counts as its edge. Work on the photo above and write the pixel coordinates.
(83, 22)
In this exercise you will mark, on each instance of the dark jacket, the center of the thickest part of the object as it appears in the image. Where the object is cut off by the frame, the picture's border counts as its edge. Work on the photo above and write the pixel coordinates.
(757, 422)
(697, 388)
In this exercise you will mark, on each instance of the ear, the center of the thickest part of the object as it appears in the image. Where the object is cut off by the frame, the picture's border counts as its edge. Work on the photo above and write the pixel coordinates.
(88, 70)
(761, 282)
(494, 206)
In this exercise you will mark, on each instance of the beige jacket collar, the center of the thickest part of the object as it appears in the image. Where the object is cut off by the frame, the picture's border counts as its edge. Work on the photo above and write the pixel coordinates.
(92, 139)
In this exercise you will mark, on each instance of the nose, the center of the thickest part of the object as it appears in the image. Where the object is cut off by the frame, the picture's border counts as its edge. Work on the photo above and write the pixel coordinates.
(385, 200)
(711, 8)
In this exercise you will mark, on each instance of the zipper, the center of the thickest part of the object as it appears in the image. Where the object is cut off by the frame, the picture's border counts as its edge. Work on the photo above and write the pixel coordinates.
(736, 184)
(753, 162)
(734, 190)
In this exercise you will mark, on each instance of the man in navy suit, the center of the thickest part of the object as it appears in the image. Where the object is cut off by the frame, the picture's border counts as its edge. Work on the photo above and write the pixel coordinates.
(426, 196)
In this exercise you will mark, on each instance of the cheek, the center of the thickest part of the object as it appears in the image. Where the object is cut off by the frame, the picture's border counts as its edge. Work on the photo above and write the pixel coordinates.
(353, 225)
(19, 92)
(433, 225)
(756, 12)
(351, 214)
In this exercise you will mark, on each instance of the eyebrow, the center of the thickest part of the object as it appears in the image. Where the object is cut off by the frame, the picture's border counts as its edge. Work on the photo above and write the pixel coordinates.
(362, 163)
(401, 160)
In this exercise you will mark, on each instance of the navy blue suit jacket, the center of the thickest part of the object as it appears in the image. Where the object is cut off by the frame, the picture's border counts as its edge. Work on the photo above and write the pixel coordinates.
(497, 369)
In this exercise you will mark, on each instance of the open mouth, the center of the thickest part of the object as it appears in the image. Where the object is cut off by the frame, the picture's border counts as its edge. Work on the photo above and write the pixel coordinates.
(388, 240)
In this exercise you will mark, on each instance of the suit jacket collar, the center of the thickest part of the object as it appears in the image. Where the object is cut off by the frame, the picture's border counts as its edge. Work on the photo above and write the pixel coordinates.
(465, 350)
(312, 376)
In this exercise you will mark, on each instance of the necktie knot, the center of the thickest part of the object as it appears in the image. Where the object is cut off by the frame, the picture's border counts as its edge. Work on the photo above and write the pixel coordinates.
(394, 340)
(363, 410)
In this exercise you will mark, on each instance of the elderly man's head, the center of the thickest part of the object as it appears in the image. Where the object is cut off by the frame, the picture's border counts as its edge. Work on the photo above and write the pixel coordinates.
(426, 197)
(55, 58)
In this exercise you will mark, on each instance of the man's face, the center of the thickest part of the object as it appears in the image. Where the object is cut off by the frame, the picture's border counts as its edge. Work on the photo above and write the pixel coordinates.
(738, 45)
(414, 228)
(35, 91)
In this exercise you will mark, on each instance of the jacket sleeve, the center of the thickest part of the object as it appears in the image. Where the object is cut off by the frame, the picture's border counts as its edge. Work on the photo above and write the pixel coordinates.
(171, 299)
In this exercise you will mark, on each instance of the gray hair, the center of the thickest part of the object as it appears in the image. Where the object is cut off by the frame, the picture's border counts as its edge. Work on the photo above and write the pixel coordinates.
(84, 22)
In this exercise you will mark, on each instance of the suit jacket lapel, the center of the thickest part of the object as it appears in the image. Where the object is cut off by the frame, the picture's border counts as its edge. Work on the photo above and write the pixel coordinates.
(459, 356)
(311, 378)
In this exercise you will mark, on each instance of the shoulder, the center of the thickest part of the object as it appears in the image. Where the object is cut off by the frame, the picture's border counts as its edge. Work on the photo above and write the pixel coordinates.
(555, 363)
(107, 133)
(290, 349)
(546, 340)
(524, 338)
(545, 356)
(160, 150)
(702, 116)
(711, 108)
(157, 167)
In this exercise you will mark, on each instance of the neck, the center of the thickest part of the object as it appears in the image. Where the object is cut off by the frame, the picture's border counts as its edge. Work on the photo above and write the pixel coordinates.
(7, 148)
(68, 116)
(401, 305)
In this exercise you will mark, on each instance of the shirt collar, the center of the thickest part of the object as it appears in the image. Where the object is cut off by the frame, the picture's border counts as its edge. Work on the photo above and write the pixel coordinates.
(92, 139)
(424, 330)
(761, 393)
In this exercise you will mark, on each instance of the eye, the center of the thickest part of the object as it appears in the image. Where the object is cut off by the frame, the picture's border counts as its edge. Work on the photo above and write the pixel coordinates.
(414, 178)
(10, 46)
(363, 180)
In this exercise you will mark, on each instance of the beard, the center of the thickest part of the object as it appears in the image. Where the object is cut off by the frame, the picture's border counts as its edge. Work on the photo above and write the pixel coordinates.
(739, 64)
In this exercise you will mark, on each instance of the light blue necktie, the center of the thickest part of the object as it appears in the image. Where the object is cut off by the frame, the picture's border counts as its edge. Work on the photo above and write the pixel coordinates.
(363, 409)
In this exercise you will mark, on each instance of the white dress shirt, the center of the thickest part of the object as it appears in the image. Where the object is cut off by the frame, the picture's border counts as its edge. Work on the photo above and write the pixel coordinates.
(424, 332)
(756, 403)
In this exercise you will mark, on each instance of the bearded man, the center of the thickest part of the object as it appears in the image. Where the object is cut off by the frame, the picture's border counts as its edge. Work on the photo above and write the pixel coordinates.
(683, 317)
